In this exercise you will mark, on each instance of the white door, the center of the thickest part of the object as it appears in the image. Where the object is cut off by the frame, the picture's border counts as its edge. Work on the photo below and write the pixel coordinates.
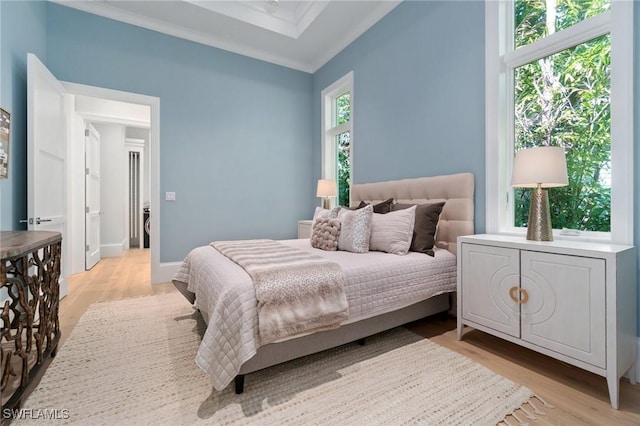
(46, 155)
(92, 196)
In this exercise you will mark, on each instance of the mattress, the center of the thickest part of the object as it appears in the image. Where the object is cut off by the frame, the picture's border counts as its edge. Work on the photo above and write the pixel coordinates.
(375, 283)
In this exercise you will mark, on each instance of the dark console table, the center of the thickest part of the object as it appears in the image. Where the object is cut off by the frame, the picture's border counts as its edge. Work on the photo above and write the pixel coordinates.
(29, 296)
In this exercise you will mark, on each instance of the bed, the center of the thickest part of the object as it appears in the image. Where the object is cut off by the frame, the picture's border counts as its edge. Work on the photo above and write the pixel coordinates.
(383, 290)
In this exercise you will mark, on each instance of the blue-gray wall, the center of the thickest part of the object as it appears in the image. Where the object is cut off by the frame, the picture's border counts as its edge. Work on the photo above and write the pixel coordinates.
(418, 95)
(22, 30)
(234, 131)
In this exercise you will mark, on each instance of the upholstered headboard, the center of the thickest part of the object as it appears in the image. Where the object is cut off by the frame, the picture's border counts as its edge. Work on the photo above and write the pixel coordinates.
(456, 190)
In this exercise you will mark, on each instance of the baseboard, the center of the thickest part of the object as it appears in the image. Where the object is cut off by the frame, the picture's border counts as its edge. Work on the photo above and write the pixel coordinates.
(112, 250)
(638, 363)
(165, 272)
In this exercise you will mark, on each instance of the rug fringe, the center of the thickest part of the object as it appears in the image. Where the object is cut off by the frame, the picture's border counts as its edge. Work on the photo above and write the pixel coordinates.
(530, 413)
(545, 403)
(522, 422)
(536, 410)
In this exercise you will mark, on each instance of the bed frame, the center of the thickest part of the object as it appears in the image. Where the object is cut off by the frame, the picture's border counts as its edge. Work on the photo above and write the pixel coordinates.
(456, 219)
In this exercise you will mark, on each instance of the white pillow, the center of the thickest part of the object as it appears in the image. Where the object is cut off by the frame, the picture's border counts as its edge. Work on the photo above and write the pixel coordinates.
(355, 229)
(392, 232)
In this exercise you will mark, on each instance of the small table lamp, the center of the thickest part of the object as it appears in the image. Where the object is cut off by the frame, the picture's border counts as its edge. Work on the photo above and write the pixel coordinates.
(326, 189)
(540, 168)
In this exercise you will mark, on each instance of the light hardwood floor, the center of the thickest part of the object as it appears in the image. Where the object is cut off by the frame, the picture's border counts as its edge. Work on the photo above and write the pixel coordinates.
(579, 397)
(112, 278)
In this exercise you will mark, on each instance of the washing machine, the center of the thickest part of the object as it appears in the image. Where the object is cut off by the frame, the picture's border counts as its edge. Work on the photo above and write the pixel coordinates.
(147, 226)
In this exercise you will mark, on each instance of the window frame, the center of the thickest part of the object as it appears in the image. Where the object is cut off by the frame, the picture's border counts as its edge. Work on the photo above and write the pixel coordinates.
(500, 61)
(330, 131)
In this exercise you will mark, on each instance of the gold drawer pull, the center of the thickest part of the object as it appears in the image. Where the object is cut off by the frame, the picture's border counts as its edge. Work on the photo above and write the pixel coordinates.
(521, 298)
(512, 294)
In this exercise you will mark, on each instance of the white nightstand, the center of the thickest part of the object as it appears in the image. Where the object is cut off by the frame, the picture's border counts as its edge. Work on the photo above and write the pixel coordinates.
(304, 228)
(571, 300)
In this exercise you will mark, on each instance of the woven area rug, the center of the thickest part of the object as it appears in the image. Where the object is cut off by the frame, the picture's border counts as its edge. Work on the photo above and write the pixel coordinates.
(132, 362)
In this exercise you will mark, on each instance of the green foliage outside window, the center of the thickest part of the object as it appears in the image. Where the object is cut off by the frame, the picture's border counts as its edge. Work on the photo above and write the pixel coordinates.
(344, 168)
(564, 100)
(343, 143)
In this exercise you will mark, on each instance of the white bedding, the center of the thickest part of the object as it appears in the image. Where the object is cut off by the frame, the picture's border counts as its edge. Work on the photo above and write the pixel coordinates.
(376, 283)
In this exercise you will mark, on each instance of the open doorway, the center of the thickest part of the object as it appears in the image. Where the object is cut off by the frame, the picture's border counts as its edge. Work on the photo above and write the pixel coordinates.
(124, 123)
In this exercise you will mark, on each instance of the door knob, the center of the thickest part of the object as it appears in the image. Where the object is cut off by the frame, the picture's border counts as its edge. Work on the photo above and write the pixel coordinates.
(39, 221)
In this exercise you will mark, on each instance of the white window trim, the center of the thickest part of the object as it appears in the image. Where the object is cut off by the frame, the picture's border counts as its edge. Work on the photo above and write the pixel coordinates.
(329, 132)
(499, 119)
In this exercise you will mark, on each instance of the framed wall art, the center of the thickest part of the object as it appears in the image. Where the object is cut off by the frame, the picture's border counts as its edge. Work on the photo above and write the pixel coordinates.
(5, 137)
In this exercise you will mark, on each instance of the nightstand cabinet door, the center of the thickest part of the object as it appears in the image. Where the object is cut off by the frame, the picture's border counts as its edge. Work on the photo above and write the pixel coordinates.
(488, 275)
(565, 304)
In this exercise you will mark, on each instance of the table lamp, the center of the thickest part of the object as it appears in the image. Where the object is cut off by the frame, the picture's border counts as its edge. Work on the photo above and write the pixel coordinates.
(326, 189)
(539, 168)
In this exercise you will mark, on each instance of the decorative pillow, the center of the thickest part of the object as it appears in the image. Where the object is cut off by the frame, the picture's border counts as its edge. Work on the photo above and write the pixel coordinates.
(355, 229)
(392, 232)
(325, 234)
(324, 213)
(382, 207)
(424, 230)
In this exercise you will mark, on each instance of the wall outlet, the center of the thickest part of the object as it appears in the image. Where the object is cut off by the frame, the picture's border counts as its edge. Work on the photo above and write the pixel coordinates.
(170, 196)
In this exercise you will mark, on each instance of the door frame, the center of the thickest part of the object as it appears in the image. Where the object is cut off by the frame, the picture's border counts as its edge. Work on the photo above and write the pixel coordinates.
(158, 275)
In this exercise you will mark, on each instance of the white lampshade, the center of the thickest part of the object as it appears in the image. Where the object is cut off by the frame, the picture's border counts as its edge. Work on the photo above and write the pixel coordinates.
(544, 165)
(327, 188)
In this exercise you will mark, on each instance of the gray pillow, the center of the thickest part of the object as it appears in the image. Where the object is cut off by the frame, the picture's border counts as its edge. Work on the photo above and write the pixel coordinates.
(426, 222)
(355, 229)
(382, 207)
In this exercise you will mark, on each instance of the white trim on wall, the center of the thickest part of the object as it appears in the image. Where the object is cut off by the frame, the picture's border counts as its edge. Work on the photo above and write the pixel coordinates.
(166, 271)
(113, 250)
(114, 120)
(329, 156)
(638, 363)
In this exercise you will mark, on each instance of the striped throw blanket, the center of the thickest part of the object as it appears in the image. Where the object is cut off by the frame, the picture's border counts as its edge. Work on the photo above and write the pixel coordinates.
(297, 292)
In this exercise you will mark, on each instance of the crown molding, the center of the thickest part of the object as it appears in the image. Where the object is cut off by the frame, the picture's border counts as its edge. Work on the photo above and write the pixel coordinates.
(278, 19)
(117, 14)
(304, 16)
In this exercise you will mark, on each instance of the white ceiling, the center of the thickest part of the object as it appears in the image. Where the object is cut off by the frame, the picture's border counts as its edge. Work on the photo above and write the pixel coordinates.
(303, 35)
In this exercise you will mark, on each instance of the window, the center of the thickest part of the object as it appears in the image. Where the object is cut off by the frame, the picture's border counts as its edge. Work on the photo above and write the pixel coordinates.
(559, 73)
(337, 135)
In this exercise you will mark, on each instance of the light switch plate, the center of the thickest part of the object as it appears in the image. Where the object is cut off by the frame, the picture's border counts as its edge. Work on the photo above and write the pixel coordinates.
(170, 196)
